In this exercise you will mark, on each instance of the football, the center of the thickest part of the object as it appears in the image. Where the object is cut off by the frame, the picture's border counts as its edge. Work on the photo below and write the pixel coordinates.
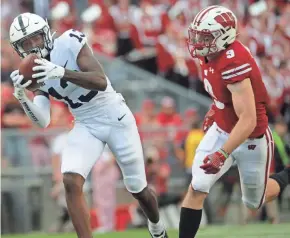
(25, 69)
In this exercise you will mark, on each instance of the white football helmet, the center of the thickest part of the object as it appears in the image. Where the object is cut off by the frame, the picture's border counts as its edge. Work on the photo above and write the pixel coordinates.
(211, 31)
(27, 25)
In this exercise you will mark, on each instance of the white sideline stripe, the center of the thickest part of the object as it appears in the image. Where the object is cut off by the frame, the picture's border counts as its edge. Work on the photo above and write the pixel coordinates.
(238, 73)
(235, 69)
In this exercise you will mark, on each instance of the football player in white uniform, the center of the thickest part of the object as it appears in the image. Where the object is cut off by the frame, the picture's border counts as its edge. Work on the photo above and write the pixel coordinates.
(69, 72)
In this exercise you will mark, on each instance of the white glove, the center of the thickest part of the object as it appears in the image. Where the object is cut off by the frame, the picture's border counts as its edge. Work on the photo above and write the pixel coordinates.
(19, 89)
(48, 70)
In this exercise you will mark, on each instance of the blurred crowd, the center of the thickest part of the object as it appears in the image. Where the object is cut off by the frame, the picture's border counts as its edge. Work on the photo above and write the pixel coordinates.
(151, 34)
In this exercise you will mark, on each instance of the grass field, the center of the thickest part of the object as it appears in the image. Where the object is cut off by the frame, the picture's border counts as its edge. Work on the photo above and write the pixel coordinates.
(251, 231)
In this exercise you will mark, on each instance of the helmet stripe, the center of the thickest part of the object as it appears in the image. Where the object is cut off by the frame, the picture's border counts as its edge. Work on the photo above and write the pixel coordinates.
(198, 21)
(196, 17)
(21, 24)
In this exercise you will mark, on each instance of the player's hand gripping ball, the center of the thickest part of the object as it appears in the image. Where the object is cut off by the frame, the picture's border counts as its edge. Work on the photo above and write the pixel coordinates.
(46, 70)
(25, 69)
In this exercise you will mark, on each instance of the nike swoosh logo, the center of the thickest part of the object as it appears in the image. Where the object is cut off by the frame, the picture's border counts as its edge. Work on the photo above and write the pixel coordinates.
(161, 235)
(65, 64)
(52, 69)
(120, 118)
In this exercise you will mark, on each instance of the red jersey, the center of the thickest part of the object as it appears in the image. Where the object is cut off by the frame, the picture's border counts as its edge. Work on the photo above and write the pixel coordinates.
(234, 65)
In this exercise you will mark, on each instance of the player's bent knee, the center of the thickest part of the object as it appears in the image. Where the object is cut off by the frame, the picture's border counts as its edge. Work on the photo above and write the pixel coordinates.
(252, 205)
(135, 184)
(200, 185)
(141, 194)
(195, 195)
(194, 199)
(73, 183)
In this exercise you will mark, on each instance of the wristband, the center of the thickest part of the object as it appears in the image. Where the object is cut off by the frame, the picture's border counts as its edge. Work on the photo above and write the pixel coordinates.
(224, 153)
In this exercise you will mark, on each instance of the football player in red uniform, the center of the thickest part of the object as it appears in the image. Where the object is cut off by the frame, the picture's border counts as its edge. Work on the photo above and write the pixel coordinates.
(240, 129)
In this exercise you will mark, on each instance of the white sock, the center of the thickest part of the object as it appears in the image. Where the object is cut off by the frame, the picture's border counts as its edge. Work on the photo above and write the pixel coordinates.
(156, 227)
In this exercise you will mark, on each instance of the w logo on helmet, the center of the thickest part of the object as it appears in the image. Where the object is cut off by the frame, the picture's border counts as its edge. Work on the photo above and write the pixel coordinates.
(226, 19)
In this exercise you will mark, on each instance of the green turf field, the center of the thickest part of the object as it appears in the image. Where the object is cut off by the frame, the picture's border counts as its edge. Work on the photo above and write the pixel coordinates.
(251, 231)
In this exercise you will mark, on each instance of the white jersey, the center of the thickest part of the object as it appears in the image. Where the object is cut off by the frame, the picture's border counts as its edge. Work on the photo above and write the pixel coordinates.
(83, 103)
(100, 118)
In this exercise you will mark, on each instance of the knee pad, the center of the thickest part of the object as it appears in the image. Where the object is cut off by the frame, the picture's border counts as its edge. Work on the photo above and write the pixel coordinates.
(252, 205)
(135, 184)
(200, 185)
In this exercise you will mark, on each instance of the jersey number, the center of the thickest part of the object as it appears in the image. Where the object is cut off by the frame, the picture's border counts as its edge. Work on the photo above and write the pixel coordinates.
(208, 88)
(230, 54)
(78, 35)
(63, 83)
(83, 98)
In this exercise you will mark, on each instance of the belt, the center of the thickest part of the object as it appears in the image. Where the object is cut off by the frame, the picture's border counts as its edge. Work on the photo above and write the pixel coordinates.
(252, 138)
(258, 137)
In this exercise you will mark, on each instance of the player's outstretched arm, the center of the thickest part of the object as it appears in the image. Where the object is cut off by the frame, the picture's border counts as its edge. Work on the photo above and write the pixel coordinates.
(245, 108)
(38, 110)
